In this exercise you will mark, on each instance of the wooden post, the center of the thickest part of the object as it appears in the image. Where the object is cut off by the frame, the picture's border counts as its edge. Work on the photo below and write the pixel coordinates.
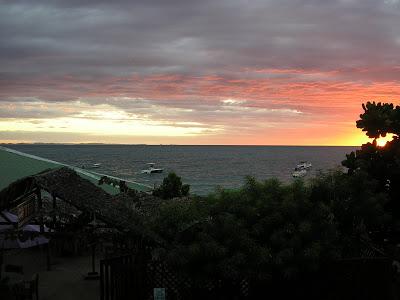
(40, 205)
(48, 261)
(93, 258)
(54, 209)
(1, 260)
(93, 274)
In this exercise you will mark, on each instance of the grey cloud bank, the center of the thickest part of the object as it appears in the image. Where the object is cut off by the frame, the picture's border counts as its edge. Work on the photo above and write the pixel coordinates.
(195, 37)
(177, 61)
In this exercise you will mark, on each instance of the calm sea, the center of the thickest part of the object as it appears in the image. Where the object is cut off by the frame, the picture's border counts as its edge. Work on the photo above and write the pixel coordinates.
(203, 167)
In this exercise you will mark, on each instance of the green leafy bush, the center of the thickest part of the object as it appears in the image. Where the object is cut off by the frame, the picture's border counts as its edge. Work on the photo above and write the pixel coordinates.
(172, 187)
(268, 228)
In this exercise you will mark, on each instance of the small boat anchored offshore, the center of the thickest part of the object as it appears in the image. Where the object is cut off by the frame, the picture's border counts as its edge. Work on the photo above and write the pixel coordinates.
(151, 169)
(93, 166)
(304, 165)
(299, 173)
(301, 169)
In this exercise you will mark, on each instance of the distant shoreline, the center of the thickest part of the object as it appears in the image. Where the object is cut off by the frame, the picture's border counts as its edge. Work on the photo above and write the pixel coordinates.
(180, 145)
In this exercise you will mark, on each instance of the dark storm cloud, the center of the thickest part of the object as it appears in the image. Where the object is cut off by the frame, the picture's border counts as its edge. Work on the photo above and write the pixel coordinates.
(125, 37)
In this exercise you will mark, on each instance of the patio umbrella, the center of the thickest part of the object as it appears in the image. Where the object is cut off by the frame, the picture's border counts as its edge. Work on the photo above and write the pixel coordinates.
(25, 239)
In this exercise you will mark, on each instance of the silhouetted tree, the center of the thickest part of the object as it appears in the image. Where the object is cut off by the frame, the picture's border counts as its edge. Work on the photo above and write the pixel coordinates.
(172, 187)
(380, 163)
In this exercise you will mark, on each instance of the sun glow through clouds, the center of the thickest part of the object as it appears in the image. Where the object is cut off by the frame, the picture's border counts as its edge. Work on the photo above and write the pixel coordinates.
(113, 122)
(381, 141)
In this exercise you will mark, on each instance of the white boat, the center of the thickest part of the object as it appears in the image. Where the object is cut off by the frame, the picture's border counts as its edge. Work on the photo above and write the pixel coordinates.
(151, 169)
(94, 166)
(301, 169)
(299, 173)
(304, 165)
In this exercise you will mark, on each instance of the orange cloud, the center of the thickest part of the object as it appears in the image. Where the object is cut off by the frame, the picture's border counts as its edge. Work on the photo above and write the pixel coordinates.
(329, 104)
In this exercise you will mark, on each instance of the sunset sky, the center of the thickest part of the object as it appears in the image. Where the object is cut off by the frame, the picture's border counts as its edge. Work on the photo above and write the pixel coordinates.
(266, 72)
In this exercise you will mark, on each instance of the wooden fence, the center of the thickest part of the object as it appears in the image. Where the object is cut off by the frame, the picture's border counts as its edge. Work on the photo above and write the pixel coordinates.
(116, 277)
(132, 277)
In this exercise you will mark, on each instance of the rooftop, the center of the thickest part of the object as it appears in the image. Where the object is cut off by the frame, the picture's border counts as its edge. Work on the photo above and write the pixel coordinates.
(16, 165)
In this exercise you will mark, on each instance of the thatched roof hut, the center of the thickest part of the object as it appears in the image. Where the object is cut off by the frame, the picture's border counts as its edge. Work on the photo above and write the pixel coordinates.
(67, 185)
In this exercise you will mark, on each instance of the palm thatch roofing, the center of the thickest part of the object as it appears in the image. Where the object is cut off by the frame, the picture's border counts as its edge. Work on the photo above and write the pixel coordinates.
(68, 186)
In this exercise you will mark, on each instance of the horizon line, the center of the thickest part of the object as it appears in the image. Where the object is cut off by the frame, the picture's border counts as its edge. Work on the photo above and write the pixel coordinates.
(144, 144)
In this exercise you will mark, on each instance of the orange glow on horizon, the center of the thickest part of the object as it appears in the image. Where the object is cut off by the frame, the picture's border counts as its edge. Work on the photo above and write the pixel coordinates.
(315, 109)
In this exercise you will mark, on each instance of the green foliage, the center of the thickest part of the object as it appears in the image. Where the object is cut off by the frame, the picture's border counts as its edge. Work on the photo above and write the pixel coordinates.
(268, 228)
(172, 187)
(356, 205)
(109, 181)
(185, 189)
(381, 164)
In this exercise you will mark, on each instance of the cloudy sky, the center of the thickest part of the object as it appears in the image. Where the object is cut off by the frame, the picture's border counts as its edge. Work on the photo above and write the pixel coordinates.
(288, 72)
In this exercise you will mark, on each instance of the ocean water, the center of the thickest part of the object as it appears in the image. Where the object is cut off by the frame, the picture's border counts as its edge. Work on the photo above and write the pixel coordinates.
(203, 167)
